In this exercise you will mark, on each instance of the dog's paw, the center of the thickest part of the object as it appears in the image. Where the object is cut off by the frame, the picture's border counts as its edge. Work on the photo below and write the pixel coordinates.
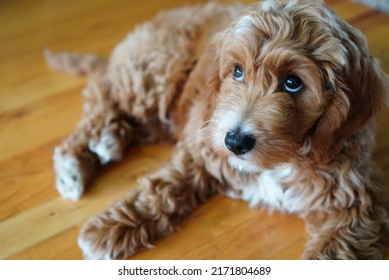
(331, 251)
(70, 180)
(125, 228)
(94, 243)
(108, 147)
(117, 233)
(110, 143)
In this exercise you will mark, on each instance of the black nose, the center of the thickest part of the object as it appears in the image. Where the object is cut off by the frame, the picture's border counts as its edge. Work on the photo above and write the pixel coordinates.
(239, 143)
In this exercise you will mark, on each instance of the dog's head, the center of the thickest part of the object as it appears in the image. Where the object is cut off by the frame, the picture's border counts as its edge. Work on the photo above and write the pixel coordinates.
(289, 80)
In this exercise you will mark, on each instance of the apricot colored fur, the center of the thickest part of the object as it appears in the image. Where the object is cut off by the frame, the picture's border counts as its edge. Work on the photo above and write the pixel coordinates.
(172, 78)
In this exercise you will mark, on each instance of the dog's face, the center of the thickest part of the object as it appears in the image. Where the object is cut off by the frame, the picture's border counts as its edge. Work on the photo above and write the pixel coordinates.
(290, 80)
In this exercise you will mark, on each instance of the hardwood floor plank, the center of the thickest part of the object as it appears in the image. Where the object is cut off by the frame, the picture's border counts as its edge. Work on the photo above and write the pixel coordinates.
(62, 246)
(54, 215)
(348, 10)
(26, 181)
(30, 127)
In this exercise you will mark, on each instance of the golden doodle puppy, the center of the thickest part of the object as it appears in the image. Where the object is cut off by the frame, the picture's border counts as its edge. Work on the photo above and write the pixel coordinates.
(270, 103)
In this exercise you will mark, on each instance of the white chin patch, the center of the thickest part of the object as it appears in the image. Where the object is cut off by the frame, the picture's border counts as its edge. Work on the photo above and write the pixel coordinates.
(243, 165)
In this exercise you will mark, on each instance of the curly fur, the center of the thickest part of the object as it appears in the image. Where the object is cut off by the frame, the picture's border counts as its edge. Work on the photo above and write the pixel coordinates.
(173, 77)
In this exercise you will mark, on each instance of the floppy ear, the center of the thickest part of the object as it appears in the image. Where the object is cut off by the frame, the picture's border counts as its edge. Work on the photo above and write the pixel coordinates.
(204, 79)
(359, 91)
(212, 76)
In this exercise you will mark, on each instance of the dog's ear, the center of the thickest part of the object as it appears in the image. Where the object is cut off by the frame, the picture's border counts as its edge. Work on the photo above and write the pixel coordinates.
(212, 77)
(359, 90)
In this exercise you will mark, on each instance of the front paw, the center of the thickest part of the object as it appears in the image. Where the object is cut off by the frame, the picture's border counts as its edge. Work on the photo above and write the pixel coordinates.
(74, 169)
(70, 180)
(121, 231)
(330, 251)
(109, 146)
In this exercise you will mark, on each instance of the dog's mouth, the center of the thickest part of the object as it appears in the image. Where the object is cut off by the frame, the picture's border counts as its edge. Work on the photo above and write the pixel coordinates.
(243, 165)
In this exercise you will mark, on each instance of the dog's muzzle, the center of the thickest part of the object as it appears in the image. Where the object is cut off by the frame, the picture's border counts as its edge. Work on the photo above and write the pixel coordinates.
(239, 143)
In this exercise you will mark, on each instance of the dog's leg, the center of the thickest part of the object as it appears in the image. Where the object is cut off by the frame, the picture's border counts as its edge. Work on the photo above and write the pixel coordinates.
(149, 213)
(101, 137)
(145, 75)
(354, 233)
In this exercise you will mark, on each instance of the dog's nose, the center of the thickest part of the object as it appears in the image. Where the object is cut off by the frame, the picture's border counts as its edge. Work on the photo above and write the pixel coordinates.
(239, 143)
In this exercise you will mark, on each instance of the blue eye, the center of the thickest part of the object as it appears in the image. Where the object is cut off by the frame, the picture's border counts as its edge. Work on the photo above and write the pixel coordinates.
(238, 73)
(292, 84)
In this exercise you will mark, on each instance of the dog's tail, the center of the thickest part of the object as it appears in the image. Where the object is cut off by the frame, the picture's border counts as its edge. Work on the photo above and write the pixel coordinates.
(76, 64)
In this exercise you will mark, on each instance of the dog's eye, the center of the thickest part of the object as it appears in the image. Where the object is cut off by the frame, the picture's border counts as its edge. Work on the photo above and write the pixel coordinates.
(292, 84)
(238, 73)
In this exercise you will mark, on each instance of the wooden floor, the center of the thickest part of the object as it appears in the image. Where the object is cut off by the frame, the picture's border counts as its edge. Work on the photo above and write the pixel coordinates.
(38, 108)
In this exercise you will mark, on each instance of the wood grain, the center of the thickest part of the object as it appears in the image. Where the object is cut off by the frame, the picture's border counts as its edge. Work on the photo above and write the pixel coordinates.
(38, 108)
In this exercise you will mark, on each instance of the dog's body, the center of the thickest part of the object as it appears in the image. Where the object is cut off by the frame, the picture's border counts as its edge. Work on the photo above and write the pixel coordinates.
(270, 103)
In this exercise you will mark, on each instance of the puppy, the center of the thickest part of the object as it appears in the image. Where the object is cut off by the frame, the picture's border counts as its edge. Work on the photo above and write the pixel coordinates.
(271, 103)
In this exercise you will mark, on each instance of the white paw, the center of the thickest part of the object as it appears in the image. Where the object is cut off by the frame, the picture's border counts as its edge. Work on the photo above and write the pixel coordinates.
(70, 180)
(108, 148)
(91, 253)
